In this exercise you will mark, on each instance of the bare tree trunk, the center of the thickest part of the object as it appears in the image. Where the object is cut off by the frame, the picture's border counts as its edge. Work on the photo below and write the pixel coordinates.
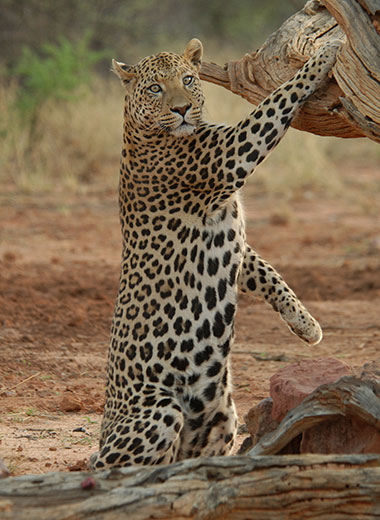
(350, 105)
(328, 487)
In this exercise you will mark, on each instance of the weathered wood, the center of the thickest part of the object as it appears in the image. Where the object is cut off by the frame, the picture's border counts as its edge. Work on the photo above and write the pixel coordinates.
(267, 488)
(347, 397)
(350, 104)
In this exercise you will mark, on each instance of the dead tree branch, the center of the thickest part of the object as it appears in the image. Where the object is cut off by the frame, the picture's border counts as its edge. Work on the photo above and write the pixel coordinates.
(350, 104)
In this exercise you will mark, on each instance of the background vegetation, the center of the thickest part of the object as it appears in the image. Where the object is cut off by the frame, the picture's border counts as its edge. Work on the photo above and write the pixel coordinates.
(132, 28)
(60, 108)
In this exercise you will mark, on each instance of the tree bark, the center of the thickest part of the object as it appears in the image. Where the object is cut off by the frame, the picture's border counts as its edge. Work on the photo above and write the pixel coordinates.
(349, 106)
(328, 487)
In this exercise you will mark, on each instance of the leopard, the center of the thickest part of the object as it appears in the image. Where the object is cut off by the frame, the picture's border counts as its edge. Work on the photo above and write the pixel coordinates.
(185, 257)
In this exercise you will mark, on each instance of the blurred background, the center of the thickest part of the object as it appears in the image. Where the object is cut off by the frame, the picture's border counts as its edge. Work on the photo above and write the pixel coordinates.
(61, 108)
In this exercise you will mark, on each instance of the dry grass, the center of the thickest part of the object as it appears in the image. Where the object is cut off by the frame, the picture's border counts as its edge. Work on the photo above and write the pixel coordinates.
(74, 142)
(77, 143)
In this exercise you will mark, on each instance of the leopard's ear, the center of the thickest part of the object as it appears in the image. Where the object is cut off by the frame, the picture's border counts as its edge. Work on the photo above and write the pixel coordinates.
(126, 73)
(193, 53)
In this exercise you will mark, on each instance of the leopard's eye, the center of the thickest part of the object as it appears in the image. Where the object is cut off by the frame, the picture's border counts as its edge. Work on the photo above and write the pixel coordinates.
(188, 80)
(155, 88)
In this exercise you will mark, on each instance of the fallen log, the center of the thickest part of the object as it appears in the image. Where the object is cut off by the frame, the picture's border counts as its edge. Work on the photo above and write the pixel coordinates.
(325, 487)
(350, 104)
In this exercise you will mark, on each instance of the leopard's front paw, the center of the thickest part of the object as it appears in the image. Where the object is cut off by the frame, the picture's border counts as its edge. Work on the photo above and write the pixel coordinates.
(328, 51)
(322, 62)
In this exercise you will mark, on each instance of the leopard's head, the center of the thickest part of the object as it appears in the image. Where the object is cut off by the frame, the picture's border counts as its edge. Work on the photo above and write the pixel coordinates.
(163, 91)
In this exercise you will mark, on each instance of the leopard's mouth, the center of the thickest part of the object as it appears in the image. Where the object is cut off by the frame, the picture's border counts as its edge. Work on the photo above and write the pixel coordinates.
(183, 129)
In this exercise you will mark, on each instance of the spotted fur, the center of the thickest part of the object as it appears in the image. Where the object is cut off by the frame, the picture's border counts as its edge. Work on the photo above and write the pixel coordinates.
(184, 257)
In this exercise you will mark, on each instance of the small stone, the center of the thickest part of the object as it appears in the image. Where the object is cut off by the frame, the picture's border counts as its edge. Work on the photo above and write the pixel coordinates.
(70, 404)
(278, 219)
(9, 256)
(80, 429)
(76, 319)
(80, 465)
(290, 385)
(259, 420)
(88, 483)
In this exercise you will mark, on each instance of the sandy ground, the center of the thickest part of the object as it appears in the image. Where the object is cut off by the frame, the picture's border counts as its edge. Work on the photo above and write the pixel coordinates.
(59, 267)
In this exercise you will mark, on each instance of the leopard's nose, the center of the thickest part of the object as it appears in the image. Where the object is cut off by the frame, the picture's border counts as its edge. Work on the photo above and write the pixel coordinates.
(181, 110)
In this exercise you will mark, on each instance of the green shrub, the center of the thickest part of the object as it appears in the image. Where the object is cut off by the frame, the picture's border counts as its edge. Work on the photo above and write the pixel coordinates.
(56, 72)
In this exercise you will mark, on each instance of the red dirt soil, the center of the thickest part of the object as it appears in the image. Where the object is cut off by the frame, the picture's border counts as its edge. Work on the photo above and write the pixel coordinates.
(59, 268)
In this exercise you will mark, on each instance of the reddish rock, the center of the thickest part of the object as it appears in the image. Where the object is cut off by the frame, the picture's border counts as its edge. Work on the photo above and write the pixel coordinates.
(259, 420)
(341, 435)
(290, 385)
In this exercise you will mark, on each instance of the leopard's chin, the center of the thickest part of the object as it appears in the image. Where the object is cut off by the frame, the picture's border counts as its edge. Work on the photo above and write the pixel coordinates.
(183, 130)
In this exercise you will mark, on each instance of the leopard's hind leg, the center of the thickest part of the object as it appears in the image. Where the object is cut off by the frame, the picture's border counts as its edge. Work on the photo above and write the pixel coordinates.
(150, 435)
